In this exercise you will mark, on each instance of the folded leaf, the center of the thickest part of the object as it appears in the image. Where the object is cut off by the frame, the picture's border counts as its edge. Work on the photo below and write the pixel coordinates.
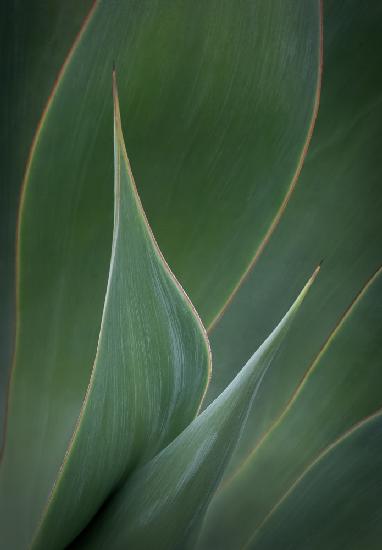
(149, 375)
(162, 505)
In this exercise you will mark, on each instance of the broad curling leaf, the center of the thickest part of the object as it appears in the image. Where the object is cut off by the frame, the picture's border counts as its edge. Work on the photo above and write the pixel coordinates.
(161, 506)
(149, 376)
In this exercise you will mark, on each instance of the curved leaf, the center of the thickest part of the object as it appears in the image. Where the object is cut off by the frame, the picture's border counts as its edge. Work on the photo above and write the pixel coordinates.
(334, 214)
(341, 387)
(35, 40)
(217, 98)
(337, 503)
(162, 505)
(149, 375)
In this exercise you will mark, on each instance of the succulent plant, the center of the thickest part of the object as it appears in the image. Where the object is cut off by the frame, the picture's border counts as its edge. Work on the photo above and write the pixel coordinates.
(253, 130)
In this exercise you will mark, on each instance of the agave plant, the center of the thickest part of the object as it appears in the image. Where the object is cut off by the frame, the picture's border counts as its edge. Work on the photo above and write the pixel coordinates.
(117, 432)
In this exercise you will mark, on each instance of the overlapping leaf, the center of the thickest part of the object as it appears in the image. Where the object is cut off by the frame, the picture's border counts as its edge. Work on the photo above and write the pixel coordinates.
(35, 40)
(162, 505)
(334, 214)
(340, 388)
(216, 151)
(345, 485)
(218, 98)
(148, 378)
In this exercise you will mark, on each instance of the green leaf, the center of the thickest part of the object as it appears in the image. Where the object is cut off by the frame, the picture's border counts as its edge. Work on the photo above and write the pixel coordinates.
(334, 213)
(219, 102)
(148, 379)
(339, 389)
(36, 38)
(162, 504)
(337, 503)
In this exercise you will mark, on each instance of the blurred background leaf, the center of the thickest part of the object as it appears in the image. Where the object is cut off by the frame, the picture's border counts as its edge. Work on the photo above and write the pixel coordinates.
(35, 39)
(348, 469)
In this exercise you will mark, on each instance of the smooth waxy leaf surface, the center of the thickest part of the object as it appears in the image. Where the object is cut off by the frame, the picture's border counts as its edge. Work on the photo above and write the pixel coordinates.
(334, 214)
(35, 40)
(220, 101)
(148, 378)
(162, 505)
(343, 486)
(339, 389)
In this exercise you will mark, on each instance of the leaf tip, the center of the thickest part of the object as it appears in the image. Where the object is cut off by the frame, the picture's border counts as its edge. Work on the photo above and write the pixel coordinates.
(117, 114)
(307, 286)
(313, 277)
(310, 282)
(316, 272)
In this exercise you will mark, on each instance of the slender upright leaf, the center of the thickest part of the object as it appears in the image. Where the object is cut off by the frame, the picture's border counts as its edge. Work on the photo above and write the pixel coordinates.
(340, 388)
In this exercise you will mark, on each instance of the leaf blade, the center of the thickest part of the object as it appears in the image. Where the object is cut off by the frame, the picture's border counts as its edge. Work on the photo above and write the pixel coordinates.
(149, 375)
(193, 131)
(163, 503)
(28, 61)
(334, 395)
(345, 511)
(337, 203)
